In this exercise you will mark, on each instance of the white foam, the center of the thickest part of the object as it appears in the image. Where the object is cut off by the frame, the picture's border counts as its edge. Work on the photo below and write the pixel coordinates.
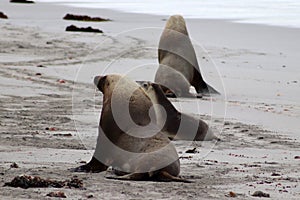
(270, 12)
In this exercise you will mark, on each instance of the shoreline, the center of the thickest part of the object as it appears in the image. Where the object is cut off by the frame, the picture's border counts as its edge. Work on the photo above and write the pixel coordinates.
(211, 33)
(50, 108)
(244, 20)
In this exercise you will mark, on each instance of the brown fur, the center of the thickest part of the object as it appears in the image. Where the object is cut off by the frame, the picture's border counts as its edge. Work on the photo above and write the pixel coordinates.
(177, 52)
(156, 155)
(177, 125)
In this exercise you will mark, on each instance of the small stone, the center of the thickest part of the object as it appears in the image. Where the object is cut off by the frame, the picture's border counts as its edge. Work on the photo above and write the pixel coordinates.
(50, 129)
(90, 196)
(244, 130)
(14, 165)
(3, 16)
(57, 194)
(192, 151)
(232, 194)
(275, 174)
(260, 194)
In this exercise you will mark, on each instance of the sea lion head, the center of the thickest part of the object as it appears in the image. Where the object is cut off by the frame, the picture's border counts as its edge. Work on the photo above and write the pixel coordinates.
(99, 81)
(177, 23)
(107, 84)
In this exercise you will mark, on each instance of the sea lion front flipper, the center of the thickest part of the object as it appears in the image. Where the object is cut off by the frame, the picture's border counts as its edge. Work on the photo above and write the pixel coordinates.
(94, 166)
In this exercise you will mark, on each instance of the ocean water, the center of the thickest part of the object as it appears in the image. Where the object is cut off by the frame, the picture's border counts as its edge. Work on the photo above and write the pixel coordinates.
(269, 12)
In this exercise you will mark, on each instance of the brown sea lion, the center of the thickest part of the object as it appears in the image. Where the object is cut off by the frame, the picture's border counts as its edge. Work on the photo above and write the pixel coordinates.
(178, 87)
(131, 144)
(177, 125)
(176, 51)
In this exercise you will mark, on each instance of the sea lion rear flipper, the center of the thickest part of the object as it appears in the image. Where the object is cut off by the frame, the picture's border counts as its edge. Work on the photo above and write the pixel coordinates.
(161, 176)
(130, 177)
(166, 177)
(200, 85)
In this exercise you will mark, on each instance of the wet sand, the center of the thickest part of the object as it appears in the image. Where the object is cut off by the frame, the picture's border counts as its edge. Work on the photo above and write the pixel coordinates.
(50, 108)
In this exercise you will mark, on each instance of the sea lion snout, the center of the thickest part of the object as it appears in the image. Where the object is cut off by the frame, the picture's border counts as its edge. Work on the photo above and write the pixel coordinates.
(99, 82)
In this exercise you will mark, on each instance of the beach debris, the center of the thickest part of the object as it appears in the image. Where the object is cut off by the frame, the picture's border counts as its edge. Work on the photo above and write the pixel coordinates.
(27, 181)
(61, 81)
(283, 66)
(90, 196)
(38, 74)
(74, 28)
(297, 157)
(84, 18)
(275, 174)
(41, 66)
(239, 155)
(63, 134)
(244, 130)
(186, 157)
(21, 1)
(192, 150)
(57, 194)
(51, 129)
(271, 163)
(260, 194)
(3, 16)
(231, 194)
(14, 165)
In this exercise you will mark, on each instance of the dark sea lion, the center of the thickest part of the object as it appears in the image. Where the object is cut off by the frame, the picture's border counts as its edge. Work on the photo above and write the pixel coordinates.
(176, 51)
(177, 125)
(132, 144)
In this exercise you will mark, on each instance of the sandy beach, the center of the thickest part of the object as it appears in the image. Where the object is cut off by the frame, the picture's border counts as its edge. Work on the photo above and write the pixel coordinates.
(50, 107)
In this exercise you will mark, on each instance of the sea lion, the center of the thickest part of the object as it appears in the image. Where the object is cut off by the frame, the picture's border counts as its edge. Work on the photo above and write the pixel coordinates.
(178, 87)
(131, 144)
(177, 125)
(176, 51)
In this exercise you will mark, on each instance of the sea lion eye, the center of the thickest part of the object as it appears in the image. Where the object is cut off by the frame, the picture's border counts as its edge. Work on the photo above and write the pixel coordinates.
(145, 85)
